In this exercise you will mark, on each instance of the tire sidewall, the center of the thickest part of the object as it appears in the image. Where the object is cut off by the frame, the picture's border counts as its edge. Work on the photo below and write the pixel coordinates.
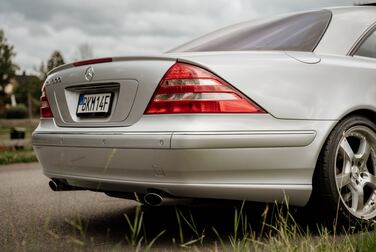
(342, 213)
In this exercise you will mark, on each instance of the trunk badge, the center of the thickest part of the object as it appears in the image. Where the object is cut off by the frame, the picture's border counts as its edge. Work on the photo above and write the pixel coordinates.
(89, 73)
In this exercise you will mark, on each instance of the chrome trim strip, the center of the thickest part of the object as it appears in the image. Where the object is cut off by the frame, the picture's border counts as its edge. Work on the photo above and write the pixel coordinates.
(134, 141)
(180, 140)
(202, 140)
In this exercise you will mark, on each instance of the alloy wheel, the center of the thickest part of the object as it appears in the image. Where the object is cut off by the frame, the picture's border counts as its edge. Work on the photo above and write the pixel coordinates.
(355, 171)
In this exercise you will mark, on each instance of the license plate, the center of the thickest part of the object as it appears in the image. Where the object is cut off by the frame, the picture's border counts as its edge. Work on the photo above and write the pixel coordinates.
(94, 104)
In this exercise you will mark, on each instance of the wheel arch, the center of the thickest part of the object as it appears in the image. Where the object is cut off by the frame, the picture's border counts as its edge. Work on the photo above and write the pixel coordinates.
(323, 182)
(367, 113)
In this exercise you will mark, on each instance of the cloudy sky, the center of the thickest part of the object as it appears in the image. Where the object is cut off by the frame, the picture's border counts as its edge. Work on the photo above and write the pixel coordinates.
(118, 27)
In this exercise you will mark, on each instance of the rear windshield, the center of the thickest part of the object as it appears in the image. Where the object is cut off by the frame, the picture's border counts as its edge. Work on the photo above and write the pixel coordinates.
(296, 32)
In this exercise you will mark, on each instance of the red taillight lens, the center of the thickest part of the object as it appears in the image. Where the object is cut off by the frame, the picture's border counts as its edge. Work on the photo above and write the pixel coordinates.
(45, 109)
(187, 88)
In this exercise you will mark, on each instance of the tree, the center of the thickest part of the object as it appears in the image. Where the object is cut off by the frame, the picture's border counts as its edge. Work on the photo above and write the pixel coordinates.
(42, 71)
(7, 67)
(28, 92)
(55, 60)
(85, 51)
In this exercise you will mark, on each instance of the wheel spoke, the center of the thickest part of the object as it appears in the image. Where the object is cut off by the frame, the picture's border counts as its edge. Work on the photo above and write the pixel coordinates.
(346, 196)
(364, 150)
(357, 201)
(343, 179)
(369, 179)
(347, 150)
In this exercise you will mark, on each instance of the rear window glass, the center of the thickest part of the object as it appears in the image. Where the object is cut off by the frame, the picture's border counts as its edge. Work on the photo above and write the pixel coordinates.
(296, 32)
(368, 48)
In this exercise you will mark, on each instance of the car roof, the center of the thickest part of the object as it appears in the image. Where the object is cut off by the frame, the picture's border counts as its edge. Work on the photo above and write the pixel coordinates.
(347, 26)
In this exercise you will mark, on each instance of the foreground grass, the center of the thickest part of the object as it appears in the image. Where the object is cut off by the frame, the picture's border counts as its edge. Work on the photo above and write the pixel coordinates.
(19, 156)
(279, 233)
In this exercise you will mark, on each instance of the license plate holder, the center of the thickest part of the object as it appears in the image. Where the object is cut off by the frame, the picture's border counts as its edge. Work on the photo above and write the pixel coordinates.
(94, 104)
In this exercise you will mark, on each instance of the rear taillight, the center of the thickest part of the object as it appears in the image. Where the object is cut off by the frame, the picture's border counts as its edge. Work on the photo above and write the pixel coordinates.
(187, 88)
(45, 109)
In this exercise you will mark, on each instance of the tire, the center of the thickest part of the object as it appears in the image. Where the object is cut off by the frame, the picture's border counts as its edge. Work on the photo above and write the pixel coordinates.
(344, 181)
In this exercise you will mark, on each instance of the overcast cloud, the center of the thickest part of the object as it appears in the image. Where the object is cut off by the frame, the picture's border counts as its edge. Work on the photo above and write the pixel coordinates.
(118, 27)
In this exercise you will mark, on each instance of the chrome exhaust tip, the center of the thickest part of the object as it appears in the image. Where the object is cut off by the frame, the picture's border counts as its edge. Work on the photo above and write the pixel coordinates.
(53, 185)
(153, 199)
(57, 186)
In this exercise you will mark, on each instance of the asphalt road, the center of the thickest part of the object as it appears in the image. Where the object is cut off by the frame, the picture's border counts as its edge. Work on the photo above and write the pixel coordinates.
(34, 218)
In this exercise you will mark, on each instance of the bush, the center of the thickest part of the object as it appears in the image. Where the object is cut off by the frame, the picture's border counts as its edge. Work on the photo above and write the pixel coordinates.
(16, 112)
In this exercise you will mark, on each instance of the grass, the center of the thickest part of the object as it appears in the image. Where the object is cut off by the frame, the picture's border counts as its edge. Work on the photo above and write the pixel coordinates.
(190, 223)
(19, 156)
(135, 238)
(281, 233)
(278, 231)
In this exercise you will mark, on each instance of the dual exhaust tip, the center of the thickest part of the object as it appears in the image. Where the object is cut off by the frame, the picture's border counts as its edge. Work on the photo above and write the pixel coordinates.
(57, 186)
(151, 199)
(156, 199)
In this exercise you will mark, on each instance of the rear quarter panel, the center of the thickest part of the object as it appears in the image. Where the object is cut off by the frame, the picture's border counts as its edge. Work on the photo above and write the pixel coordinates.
(290, 89)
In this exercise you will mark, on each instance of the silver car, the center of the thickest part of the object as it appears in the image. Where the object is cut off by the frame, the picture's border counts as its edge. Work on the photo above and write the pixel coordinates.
(267, 110)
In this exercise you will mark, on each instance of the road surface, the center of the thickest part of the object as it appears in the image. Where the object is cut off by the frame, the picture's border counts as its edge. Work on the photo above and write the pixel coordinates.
(34, 218)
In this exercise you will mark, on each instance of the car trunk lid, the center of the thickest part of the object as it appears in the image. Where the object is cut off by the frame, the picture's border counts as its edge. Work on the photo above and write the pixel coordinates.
(122, 87)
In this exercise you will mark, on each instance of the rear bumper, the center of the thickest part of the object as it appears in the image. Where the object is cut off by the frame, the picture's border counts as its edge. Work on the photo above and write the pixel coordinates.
(257, 165)
(296, 194)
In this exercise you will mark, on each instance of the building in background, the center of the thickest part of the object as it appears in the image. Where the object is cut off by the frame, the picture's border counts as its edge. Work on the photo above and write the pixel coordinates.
(23, 91)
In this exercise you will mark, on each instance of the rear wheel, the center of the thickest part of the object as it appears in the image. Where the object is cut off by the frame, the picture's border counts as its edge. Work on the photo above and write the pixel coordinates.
(344, 183)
